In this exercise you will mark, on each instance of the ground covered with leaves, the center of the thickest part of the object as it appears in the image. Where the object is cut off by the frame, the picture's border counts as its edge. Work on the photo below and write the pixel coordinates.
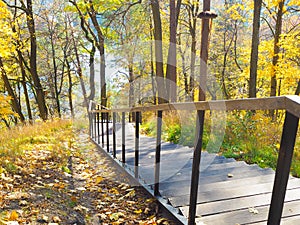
(50, 173)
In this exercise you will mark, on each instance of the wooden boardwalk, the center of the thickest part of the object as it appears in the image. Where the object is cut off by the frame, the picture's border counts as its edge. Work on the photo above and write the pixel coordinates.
(230, 192)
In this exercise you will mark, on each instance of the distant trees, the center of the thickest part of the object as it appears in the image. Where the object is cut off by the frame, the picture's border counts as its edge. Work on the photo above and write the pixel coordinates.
(49, 50)
(41, 58)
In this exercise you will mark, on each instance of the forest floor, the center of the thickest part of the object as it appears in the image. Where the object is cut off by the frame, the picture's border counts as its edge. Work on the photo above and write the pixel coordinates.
(37, 188)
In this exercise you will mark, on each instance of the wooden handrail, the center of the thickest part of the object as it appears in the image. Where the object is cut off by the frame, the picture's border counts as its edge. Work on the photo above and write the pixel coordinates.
(291, 103)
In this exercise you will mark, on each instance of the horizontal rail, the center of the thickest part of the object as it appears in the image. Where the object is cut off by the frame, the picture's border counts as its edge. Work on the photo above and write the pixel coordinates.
(290, 103)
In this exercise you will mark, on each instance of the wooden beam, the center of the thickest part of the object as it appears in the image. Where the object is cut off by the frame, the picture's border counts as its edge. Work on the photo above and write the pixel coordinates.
(290, 103)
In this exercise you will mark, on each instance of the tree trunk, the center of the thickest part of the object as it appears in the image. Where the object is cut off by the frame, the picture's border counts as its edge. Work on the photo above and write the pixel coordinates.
(92, 74)
(297, 92)
(22, 64)
(70, 89)
(193, 31)
(33, 66)
(56, 91)
(171, 76)
(15, 102)
(160, 80)
(275, 59)
(102, 78)
(23, 72)
(276, 51)
(152, 65)
(131, 91)
(100, 46)
(254, 48)
(79, 72)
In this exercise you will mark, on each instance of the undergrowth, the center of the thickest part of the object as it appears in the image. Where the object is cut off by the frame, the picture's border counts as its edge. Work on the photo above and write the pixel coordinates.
(55, 136)
(251, 137)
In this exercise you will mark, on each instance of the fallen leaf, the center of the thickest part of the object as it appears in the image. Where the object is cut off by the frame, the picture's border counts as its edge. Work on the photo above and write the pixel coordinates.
(98, 179)
(114, 217)
(138, 211)
(23, 203)
(147, 210)
(56, 219)
(130, 193)
(13, 216)
(253, 210)
(114, 191)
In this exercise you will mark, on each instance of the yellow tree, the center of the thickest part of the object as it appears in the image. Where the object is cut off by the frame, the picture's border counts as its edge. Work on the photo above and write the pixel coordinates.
(6, 51)
(279, 60)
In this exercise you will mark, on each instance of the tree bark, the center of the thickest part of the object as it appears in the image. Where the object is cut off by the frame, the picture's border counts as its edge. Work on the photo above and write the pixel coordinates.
(56, 91)
(193, 30)
(70, 89)
(92, 74)
(131, 91)
(100, 46)
(15, 102)
(79, 71)
(160, 80)
(275, 59)
(33, 65)
(254, 48)
(23, 72)
(152, 65)
(171, 76)
(297, 92)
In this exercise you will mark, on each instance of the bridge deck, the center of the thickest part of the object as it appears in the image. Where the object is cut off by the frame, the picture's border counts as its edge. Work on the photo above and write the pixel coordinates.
(230, 192)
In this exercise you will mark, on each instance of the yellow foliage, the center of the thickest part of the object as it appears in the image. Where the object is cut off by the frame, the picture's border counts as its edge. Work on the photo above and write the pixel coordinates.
(6, 34)
(5, 109)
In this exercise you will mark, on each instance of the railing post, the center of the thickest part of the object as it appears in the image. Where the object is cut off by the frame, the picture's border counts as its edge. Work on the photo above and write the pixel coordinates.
(91, 125)
(98, 124)
(196, 167)
(157, 153)
(137, 140)
(95, 126)
(114, 134)
(102, 129)
(123, 137)
(107, 132)
(287, 145)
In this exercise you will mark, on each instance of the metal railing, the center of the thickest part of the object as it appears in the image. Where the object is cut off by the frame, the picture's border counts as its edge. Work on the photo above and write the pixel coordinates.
(291, 105)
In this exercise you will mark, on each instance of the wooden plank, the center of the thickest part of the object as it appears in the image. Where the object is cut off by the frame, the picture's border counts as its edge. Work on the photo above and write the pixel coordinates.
(293, 105)
(223, 188)
(235, 104)
(291, 220)
(245, 216)
(171, 189)
(242, 202)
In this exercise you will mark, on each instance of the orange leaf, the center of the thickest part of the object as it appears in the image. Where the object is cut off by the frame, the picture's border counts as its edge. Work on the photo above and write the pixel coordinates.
(13, 216)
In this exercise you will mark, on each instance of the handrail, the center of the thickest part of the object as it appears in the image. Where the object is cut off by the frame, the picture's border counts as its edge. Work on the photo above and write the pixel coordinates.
(291, 104)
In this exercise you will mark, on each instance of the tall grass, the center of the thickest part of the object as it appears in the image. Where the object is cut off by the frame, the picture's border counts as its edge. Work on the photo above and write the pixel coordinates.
(55, 135)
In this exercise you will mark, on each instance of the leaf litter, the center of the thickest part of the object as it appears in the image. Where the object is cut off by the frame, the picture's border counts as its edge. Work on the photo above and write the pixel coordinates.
(70, 185)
